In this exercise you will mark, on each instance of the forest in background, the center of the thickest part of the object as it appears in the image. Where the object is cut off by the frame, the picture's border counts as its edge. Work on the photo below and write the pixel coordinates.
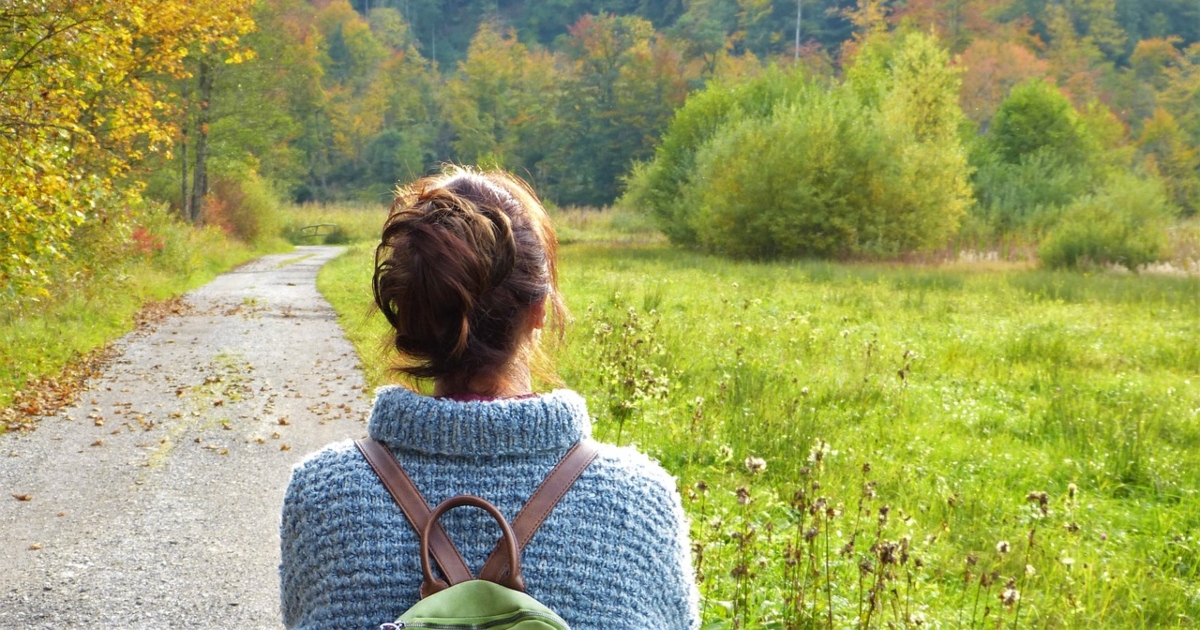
(222, 111)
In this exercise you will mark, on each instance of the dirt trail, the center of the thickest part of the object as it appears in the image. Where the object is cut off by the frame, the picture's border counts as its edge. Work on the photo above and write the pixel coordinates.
(154, 503)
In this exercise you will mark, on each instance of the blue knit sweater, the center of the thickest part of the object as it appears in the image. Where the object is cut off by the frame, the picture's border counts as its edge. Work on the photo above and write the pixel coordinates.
(613, 554)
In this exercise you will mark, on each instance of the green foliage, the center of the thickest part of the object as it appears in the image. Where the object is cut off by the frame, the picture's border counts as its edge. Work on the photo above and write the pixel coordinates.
(1125, 223)
(1028, 194)
(1037, 116)
(785, 168)
(656, 186)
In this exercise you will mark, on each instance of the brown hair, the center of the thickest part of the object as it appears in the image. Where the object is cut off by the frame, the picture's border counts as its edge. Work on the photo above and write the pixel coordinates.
(463, 259)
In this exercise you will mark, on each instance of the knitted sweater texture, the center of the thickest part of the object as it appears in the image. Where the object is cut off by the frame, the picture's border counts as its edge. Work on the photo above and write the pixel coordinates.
(613, 554)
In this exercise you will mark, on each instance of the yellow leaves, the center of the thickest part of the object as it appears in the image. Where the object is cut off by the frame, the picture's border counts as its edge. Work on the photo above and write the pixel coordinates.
(72, 131)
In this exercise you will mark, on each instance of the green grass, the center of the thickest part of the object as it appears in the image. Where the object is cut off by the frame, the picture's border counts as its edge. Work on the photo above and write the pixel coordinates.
(953, 397)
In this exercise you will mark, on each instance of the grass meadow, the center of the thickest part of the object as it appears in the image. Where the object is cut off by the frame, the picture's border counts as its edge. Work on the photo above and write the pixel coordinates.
(875, 446)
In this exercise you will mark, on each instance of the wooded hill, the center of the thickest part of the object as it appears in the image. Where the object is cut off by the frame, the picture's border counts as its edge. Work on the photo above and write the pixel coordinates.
(330, 100)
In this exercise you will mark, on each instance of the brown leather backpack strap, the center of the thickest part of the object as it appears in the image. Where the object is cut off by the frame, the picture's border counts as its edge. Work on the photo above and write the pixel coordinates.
(415, 508)
(539, 506)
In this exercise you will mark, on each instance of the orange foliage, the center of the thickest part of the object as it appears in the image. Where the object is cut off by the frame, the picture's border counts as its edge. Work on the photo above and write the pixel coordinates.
(991, 69)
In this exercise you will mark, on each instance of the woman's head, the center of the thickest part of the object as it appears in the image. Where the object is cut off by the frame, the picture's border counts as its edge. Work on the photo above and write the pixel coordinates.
(465, 272)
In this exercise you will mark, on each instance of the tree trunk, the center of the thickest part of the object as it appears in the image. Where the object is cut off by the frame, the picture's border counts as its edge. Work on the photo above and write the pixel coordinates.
(200, 175)
(184, 203)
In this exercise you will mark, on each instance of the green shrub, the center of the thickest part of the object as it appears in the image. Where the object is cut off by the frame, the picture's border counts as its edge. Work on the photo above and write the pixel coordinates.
(655, 187)
(817, 170)
(1126, 223)
(1029, 193)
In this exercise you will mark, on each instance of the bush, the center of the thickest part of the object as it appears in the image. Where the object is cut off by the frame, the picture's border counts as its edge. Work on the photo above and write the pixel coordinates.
(655, 187)
(1126, 224)
(784, 167)
(1029, 193)
(243, 206)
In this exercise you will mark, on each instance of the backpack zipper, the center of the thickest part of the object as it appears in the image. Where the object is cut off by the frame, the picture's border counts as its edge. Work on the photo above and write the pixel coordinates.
(525, 614)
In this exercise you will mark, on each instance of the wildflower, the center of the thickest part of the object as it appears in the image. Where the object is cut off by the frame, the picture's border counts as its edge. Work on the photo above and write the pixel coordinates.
(1002, 547)
(743, 495)
(917, 619)
(811, 533)
(883, 514)
(701, 487)
(1071, 490)
(725, 451)
(1072, 527)
(1068, 562)
(755, 465)
(972, 559)
(1030, 571)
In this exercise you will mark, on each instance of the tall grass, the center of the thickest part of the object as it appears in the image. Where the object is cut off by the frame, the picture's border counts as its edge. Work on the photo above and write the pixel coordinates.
(865, 446)
(334, 224)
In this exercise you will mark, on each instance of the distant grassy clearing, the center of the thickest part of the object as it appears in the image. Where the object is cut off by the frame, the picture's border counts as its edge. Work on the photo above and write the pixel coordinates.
(961, 395)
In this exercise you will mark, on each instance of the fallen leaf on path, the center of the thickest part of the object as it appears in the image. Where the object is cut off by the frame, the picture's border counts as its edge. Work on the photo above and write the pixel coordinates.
(23, 497)
(98, 443)
(50, 394)
(284, 447)
(34, 547)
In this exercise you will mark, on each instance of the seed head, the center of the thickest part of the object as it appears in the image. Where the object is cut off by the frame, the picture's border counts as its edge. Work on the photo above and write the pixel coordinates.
(743, 496)
(755, 465)
(1071, 490)
(1002, 547)
(1010, 595)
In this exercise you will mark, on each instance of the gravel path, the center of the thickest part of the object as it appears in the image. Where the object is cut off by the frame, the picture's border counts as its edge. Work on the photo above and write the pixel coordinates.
(154, 502)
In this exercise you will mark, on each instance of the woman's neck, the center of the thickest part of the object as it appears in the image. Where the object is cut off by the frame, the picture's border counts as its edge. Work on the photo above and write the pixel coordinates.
(512, 383)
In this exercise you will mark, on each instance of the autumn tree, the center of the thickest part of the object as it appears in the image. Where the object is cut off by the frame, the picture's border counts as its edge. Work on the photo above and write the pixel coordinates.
(501, 102)
(81, 104)
(615, 63)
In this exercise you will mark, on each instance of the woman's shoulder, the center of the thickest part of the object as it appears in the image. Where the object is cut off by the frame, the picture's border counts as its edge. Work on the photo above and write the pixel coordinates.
(628, 463)
(337, 464)
(624, 476)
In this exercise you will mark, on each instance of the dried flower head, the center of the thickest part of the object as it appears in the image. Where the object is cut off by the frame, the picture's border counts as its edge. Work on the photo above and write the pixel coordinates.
(755, 465)
(743, 495)
(1003, 547)
(1010, 595)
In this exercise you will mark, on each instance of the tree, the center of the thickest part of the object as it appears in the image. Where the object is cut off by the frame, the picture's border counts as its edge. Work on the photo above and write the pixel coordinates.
(81, 105)
(613, 62)
(991, 69)
(501, 102)
(1173, 158)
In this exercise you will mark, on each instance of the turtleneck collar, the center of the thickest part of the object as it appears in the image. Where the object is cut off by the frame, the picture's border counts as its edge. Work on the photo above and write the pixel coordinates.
(407, 420)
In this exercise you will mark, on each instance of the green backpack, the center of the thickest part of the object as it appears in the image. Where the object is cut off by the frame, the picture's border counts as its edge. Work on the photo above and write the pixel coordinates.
(496, 600)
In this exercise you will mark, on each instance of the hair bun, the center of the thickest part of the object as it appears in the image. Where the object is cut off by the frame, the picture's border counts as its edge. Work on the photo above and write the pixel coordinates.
(462, 259)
